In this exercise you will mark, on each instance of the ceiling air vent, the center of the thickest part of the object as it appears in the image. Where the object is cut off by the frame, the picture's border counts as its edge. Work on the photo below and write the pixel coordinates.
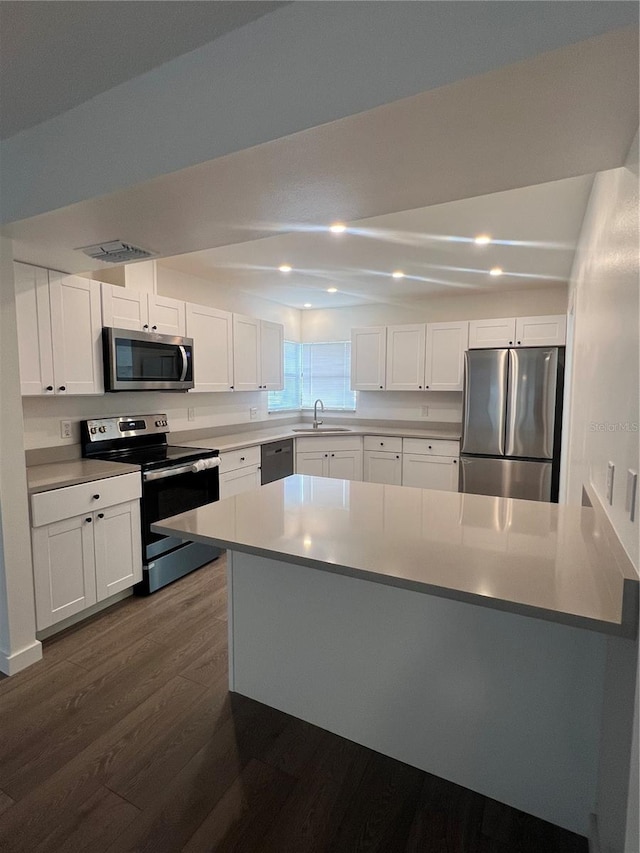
(116, 252)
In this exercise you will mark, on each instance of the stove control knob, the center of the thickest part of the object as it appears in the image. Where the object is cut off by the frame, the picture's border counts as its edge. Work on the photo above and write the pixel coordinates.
(102, 428)
(93, 430)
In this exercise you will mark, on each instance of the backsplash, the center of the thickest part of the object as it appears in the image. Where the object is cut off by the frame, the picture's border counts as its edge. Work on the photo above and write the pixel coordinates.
(42, 415)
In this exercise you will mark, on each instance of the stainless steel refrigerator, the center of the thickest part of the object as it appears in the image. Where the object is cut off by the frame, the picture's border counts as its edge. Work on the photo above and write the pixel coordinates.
(511, 422)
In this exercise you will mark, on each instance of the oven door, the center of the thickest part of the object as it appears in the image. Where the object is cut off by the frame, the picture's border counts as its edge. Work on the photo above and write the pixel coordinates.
(170, 491)
(145, 361)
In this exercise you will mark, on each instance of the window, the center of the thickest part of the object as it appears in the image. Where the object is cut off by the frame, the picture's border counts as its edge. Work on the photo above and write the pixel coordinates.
(326, 375)
(315, 371)
(289, 397)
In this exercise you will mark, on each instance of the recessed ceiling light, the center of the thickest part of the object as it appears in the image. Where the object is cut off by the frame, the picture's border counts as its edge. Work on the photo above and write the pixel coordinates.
(482, 239)
(397, 274)
(332, 290)
(338, 228)
(307, 305)
(495, 271)
(284, 268)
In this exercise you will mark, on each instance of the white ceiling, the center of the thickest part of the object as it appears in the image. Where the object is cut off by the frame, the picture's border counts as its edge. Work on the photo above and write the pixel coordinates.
(56, 55)
(534, 232)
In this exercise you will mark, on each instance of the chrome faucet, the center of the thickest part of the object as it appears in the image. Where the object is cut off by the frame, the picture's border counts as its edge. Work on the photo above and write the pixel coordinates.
(316, 422)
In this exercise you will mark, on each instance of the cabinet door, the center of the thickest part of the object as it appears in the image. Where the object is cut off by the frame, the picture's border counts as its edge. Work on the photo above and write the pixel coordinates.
(241, 480)
(430, 472)
(212, 333)
(486, 334)
(313, 462)
(76, 332)
(380, 466)
(405, 357)
(246, 353)
(63, 569)
(124, 308)
(368, 358)
(118, 549)
(271, 356)
(541, 331)
(444, 365)
(35, 351)
(166, 315)
(345, 464)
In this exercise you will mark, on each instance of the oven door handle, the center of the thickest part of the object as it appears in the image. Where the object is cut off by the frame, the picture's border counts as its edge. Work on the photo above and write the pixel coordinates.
(185, 363)
(191, 468)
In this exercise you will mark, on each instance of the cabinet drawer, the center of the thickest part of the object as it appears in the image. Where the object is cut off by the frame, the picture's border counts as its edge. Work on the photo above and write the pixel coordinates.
(392, 443)
(56, 504)
(328, 443)
(231, 460)
(431, 447)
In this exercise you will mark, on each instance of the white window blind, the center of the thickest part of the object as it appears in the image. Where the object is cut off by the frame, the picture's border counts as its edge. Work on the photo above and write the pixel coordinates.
(326, 375)
(289, 397)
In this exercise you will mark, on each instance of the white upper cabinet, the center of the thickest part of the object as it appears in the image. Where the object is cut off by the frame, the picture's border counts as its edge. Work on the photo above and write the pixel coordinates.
(485, 334)
(212, 333)
(541, 331)
(166, 315)
(124, 308)
(271, 356)
(258, 354)
(59, 332)
(246, 353)
(368, 358)
(444, 363)
(34, 330)
(405, 357)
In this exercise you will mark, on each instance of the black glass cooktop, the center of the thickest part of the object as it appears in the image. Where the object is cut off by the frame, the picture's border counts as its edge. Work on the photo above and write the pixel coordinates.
(157, 456)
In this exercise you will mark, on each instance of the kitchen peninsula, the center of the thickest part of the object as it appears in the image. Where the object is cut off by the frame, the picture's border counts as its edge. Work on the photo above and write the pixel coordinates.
(466, 635)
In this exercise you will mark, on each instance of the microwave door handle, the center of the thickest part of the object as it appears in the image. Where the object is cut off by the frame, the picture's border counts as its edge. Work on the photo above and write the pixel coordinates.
(185, 363)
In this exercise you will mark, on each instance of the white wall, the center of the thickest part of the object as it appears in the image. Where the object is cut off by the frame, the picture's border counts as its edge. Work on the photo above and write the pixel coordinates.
(191, 288)
(334, 324)
(298, 67)
(18, 644)
(604, 415)
(604, 403)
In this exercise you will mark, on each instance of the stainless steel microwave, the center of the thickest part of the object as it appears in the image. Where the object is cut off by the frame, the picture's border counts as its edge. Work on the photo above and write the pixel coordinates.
(146, 361)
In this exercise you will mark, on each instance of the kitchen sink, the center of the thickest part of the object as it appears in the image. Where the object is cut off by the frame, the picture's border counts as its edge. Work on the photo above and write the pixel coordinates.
(311, 431)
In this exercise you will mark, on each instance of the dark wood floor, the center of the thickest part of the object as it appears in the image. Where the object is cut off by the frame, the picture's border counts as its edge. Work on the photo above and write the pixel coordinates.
(125, 738)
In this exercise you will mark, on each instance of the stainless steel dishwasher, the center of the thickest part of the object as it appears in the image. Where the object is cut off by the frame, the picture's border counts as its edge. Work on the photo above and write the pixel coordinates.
(276, 460)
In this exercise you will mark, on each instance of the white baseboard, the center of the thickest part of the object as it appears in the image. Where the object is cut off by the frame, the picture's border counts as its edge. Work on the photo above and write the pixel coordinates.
(13, 663)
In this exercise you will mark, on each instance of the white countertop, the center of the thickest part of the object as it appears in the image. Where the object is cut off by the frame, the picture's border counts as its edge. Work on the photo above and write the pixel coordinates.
(537, 559)
(57, 475)
(262, 436)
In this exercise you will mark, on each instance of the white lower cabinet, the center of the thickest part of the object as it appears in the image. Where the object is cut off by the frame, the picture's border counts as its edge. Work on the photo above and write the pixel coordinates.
(383, 459)
(430, 464)
(339, 457)
(239, 471)
(84, 558)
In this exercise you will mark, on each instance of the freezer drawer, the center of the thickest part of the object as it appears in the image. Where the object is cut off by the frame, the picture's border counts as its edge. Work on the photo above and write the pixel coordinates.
(506, 478)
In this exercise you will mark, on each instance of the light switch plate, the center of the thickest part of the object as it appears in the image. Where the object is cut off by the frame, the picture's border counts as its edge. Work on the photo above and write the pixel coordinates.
(632, 494)
(65, 429)
(191, 414)
(253, 413)
(610, 472)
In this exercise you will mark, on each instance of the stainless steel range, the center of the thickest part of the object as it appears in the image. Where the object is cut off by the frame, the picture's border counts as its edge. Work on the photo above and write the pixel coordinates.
(174, 480)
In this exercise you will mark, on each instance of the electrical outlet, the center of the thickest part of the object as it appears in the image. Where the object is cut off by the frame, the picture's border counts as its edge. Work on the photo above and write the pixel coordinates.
(191, 414)
(632, 494)
(610, 472)
(253, 413)
(65, 429)
(424, 411)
